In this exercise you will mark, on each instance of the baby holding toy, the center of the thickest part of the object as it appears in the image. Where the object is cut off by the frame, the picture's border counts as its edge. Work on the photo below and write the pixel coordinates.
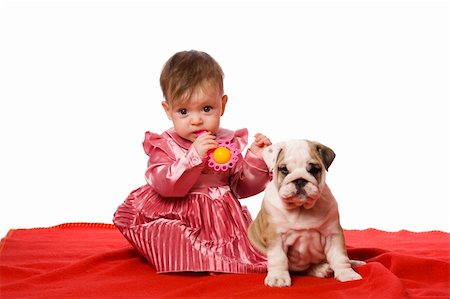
(188, 217)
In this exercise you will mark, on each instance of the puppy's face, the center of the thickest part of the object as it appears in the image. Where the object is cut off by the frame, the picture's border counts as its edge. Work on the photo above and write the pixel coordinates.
(299, 168)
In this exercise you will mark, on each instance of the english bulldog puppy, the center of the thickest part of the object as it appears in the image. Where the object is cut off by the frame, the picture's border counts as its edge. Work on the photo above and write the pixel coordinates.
(298, 225)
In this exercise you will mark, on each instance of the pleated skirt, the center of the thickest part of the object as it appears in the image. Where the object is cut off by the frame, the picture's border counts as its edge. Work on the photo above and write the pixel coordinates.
(194, 233)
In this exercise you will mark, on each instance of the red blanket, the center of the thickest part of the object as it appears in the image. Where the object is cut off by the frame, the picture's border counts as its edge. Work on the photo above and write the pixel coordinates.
(81, 260)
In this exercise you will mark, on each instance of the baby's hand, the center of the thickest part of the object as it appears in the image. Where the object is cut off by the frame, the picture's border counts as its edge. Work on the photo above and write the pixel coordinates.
(261, 141)
(204, 143)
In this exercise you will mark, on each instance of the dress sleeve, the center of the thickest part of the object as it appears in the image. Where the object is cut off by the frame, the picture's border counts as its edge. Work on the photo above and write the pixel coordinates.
(166, 174)
(250, 175)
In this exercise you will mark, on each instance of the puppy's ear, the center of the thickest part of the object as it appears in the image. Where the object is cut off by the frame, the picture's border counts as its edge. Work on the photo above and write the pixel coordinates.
(325, 153)
(270, 154)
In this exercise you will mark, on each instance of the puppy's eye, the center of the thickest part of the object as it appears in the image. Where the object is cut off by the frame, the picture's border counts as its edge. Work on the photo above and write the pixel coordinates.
(314, 170)
(283, 170)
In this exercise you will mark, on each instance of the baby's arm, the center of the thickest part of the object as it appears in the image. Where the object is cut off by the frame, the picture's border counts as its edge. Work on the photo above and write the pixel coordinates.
(261, 141)
(173, 178)
(252, 174)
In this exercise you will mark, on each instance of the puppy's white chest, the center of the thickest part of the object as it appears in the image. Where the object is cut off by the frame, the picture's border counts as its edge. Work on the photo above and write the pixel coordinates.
(304, 247)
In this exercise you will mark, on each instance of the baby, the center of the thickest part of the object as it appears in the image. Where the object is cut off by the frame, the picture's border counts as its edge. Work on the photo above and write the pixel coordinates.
(188, 217)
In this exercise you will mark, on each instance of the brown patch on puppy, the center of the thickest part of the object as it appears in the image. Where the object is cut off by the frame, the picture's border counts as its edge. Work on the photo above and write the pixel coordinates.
(325, 154)
(316, 169)
(261, 231)
(277, 171)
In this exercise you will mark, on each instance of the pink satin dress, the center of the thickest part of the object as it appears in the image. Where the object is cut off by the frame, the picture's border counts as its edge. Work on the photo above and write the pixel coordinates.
(188, 217)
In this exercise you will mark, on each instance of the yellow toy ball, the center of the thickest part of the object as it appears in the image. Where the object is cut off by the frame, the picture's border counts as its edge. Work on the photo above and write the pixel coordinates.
(221, 155)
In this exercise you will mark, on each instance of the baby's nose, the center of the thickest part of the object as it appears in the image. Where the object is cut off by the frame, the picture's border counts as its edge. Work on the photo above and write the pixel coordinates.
(196, 119)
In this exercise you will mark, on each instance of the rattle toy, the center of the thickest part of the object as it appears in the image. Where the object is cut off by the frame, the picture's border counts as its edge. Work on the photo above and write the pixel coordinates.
(224, 156)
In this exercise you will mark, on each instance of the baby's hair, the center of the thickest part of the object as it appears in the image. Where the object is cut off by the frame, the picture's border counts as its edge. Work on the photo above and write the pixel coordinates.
(185, 71)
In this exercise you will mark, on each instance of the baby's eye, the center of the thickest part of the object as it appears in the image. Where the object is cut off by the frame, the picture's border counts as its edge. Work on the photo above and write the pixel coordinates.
(182, 111)
(207, 109)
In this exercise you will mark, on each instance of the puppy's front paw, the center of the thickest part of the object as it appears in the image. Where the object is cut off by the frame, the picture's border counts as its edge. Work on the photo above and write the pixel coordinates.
(278, 279)
(347, 275)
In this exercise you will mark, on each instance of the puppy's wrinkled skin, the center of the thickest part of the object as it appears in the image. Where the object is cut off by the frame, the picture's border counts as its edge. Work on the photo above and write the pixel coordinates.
(298, 225)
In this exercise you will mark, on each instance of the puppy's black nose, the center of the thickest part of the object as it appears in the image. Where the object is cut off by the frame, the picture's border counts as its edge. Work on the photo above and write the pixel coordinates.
(300, 183)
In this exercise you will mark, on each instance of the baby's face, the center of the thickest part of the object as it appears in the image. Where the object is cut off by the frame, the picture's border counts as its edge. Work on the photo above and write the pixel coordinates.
(201, 112)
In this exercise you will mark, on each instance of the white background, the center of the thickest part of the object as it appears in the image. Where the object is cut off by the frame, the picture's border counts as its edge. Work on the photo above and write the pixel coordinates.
(370, 79)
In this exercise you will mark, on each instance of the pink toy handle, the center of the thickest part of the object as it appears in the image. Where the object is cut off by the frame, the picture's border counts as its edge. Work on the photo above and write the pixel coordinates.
(231, 146)
(201, 132)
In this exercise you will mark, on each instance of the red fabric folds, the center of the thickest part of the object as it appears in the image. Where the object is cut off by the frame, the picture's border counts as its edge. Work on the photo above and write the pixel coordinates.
(81, 260)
